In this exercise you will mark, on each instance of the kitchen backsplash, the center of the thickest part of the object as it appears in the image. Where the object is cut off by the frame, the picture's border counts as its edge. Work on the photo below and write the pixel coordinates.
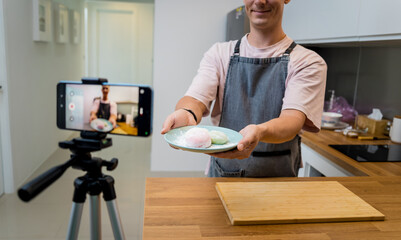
(368, 77)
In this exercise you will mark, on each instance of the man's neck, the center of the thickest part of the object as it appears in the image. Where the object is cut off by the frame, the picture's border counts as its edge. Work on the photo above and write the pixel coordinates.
(262, 38)
(104, 99)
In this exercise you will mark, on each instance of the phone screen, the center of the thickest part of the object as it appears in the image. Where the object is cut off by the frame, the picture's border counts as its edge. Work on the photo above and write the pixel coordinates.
(111, 108)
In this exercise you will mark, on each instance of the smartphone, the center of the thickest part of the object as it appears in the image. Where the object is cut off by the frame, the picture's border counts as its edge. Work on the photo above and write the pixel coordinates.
(123, 109)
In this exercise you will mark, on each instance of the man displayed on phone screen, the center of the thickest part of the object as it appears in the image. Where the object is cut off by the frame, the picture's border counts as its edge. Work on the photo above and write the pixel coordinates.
(104, 108)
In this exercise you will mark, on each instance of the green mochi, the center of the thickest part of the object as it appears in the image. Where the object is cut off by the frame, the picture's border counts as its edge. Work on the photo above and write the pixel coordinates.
(218, 137)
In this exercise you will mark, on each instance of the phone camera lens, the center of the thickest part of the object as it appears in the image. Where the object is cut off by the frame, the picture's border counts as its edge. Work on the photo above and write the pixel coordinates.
(61, 105)
(141, 91)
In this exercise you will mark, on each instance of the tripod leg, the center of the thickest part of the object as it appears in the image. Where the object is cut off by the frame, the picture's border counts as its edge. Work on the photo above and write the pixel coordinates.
(95, 217)
(75, 220)
(109, 195)
(77, 207)
(115, 220)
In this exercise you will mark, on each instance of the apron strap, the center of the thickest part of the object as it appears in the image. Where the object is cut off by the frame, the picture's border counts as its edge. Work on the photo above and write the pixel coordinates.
(290, 48)
(236, 49)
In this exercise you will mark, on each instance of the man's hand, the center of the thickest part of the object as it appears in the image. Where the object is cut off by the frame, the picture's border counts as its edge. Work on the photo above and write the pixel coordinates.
(92, 117)
(277, 130)
(251, 138)
(113, 122)
(179, 118)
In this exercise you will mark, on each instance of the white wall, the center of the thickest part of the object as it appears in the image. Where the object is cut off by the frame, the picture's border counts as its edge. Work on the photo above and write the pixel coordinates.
(33, 70)
(184, 31)
(4, 130)
(129, 60)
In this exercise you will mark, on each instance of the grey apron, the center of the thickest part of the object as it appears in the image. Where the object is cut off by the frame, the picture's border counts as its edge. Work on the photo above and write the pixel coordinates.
(103, 111)
(253, 94)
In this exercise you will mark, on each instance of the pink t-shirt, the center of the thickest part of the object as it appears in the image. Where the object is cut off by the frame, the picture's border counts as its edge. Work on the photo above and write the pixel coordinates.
(113, 106)
(305, 83)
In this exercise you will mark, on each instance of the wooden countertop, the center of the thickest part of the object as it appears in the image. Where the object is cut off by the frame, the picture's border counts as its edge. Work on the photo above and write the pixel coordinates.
(320, 143)
(125, 129)
(189, 208)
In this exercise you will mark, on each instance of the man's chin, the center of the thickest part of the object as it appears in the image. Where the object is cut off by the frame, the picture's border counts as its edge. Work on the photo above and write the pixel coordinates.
(261, 24)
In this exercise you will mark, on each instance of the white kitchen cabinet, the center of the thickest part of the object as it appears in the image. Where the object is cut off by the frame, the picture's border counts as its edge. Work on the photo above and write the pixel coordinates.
(312, 21)
(336, 21)
(314, 163)
(380, 20)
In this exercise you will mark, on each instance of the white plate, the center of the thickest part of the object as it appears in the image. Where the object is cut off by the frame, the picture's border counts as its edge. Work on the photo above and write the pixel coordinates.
(340, 125)
(107, 125)
(175, 138)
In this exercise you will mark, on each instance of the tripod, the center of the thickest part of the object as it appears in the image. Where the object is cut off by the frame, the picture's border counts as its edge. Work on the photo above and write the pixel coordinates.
(93, 183)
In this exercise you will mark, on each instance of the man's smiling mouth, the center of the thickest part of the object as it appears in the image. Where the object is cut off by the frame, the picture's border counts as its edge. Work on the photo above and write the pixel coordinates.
(261, 11)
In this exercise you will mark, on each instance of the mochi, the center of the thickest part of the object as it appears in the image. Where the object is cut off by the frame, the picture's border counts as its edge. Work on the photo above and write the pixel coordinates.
(218, 137)
(197, 138)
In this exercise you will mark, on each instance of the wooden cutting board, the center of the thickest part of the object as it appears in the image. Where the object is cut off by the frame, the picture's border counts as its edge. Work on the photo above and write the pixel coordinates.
(249, 203)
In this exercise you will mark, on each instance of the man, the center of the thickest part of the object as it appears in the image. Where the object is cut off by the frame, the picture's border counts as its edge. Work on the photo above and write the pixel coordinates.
(264, 86)
(104, 108)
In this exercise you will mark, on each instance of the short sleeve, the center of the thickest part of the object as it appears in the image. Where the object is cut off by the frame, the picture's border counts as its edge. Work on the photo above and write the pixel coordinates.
(95, 105)
(305, 86)
(205, 84)
(113, 108)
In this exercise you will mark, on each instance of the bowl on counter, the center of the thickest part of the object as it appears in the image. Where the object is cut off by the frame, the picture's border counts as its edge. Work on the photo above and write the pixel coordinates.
(331, 119)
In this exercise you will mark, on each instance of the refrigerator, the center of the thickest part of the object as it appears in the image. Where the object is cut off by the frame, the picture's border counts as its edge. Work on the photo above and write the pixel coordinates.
(237, 24)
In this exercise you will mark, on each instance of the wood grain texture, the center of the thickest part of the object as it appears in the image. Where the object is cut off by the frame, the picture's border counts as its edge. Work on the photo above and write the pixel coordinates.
(320, 141)
(190, 208)
(292, 202)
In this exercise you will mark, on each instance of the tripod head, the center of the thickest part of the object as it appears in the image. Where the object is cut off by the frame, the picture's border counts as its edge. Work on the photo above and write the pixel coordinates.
(81, 158)
(89, 142)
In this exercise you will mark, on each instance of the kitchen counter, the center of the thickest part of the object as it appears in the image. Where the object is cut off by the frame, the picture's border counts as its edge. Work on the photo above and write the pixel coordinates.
(190, 208)
(319, 142)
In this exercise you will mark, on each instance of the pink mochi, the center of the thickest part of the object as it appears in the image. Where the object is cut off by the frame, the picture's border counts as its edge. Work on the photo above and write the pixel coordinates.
(197, 138)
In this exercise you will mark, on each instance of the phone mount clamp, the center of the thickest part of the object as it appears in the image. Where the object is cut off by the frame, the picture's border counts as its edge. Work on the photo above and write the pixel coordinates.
(93, 183)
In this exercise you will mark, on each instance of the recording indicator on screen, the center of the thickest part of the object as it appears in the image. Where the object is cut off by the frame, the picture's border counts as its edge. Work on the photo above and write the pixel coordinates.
(71, 106)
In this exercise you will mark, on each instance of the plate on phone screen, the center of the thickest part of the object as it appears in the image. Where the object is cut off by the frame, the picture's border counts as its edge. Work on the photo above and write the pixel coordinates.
(175, 137)
(101, 125)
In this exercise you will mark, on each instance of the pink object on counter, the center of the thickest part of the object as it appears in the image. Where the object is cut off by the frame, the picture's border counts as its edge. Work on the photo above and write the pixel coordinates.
(197, 138)
(341, 105)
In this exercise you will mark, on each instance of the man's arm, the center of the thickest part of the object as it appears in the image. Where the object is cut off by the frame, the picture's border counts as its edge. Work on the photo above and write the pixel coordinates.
(283, 128)
(92, 116)
(277, 130)
(113, 120)
(113, 113)
(181, 117)
(94, 109)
